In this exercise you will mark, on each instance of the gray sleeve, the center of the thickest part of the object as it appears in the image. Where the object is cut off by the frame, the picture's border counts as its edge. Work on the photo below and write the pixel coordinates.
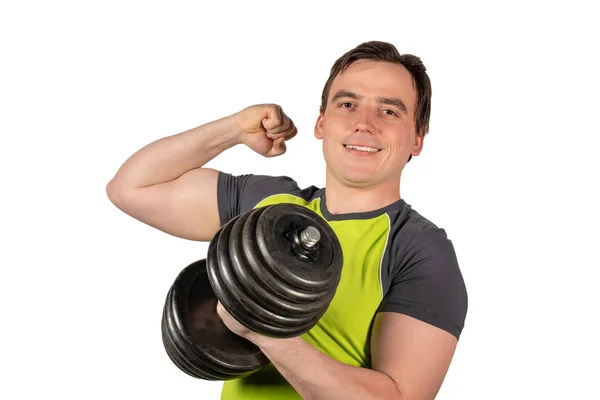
(237, 194)
(428, 284)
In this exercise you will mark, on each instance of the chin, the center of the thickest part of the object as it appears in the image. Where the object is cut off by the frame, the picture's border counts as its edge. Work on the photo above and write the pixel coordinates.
(370, 178)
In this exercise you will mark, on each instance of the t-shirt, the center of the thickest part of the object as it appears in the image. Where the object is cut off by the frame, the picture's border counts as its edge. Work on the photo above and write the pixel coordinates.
(395, 260)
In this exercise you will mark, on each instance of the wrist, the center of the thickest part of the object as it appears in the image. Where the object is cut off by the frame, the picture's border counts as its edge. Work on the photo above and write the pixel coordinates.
(218, 135)
(237, 134)
(230, 130)
(268, 344)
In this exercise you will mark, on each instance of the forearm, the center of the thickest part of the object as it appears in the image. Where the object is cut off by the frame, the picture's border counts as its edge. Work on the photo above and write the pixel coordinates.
(315, 375)
(168, 158)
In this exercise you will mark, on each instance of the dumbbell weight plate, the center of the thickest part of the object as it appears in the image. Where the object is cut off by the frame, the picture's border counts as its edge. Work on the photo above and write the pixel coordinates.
(272, 230)
(259, 281)
(240, 278)
(197, 332)
(240, 304)
(179, 349)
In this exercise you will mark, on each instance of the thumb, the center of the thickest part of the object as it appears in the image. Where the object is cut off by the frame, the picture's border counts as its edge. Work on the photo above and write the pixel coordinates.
(220, 310)
(278, 147)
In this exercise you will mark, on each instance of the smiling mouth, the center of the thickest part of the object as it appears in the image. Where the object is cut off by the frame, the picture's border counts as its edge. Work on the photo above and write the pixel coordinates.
(365, 149)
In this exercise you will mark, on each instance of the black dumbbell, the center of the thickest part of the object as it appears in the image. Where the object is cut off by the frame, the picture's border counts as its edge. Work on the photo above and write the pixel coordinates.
(275, 269)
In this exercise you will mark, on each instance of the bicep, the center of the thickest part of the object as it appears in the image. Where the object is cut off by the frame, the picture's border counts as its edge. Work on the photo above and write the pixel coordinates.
(185, 207)
(414, 354)
(421, 317)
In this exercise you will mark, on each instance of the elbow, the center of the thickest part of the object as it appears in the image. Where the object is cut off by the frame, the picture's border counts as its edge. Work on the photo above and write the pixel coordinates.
(112, 191)
(116, 193)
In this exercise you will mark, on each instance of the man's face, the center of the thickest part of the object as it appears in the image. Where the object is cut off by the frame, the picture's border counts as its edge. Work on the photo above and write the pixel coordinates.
(371, 105)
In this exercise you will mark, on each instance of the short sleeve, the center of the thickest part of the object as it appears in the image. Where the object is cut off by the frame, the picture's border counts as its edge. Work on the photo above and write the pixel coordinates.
(237, 194)
(428, 283)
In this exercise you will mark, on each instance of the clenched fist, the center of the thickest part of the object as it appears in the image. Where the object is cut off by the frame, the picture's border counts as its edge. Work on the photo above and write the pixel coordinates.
(265, 128)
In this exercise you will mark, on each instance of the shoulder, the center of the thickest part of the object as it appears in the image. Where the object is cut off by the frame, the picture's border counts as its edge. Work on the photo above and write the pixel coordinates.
(412, 234)
(421, 248)
(423, 278)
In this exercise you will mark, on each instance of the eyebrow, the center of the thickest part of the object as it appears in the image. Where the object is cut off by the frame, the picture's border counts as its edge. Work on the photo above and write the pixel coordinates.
(384, 100)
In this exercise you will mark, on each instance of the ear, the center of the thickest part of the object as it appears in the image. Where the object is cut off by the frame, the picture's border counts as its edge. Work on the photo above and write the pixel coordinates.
(319, 127)
(417, 146)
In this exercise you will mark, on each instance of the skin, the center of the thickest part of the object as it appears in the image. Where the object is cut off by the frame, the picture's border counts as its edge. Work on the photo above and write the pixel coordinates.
(355, 114)
(165, 185)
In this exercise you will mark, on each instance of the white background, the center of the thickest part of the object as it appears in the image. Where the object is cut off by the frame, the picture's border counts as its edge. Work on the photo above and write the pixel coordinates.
(509, 170)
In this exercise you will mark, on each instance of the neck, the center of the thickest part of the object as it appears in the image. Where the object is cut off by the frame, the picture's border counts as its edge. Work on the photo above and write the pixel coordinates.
(343, 199)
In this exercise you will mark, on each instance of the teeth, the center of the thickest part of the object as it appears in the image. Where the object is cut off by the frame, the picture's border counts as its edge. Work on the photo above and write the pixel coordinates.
(363, 148)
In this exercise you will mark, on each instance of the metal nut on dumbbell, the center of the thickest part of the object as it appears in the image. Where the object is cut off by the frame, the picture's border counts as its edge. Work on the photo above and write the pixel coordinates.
(275, 269)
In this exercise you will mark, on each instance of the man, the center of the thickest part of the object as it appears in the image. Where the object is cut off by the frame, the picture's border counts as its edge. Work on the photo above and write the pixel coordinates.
(392, 329)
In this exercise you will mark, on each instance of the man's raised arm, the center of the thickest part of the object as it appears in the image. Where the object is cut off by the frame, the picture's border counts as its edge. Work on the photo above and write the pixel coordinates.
(165, 185)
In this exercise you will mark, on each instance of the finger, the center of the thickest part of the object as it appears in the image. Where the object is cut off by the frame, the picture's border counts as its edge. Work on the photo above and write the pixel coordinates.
(285, 130)
(293, 132)
(287, 134)
(281, 129)
(281, 146)
(285, 124)
(278, 148)
(273, 119)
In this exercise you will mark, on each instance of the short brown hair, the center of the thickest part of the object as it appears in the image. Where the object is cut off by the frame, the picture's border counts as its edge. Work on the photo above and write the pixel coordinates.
(383, 51)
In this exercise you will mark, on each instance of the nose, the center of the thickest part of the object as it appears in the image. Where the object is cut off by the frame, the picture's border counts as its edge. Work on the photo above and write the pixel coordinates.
(363, 122)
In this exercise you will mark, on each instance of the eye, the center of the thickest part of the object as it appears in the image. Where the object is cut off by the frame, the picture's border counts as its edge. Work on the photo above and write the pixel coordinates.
(390, 112)
(346, 105)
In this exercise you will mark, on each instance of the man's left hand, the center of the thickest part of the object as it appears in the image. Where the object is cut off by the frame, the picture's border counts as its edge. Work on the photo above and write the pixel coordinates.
(233, 324)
